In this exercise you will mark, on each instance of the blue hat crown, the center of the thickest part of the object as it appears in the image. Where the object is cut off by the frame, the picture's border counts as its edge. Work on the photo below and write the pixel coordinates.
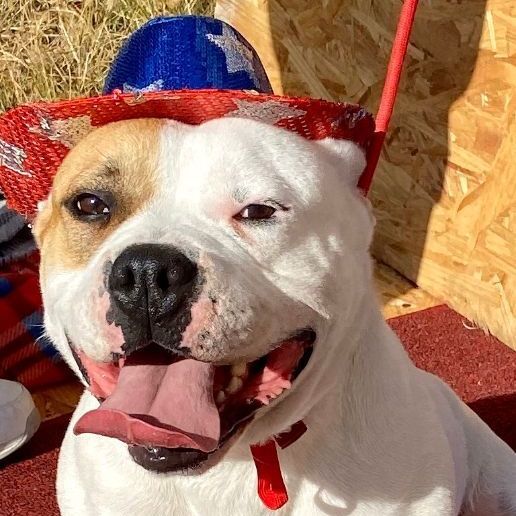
(186, 52)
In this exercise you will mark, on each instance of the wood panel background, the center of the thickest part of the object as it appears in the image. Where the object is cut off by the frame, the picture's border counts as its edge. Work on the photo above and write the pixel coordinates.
(445, 190)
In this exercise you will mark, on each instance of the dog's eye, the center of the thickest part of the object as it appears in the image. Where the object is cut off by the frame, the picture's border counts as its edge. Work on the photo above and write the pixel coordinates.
(256, 212)
(90, 206)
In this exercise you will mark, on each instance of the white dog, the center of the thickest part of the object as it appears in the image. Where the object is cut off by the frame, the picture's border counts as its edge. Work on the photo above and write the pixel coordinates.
(211, 285)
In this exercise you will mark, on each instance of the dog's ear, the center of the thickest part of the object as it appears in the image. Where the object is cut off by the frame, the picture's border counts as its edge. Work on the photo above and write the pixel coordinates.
(42, 220)
(349, 157)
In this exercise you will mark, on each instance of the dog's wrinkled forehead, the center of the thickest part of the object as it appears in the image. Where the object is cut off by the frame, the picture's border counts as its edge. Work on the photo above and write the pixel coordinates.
(165, 174)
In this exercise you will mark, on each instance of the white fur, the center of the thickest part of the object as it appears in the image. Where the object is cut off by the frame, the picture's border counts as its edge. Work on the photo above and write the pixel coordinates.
(384, 438)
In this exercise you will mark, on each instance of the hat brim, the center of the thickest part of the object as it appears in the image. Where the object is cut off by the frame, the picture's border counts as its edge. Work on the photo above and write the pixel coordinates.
(35, 138)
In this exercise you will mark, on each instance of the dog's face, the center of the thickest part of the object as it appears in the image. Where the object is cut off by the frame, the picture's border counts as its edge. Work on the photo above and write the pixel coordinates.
(195, 274)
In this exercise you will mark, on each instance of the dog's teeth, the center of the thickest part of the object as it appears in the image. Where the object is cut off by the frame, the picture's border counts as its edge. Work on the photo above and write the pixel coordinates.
(234, 385)
(221, 397)
(239, 369)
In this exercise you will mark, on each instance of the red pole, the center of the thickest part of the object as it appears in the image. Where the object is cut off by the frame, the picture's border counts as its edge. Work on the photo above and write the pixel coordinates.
(390, 89)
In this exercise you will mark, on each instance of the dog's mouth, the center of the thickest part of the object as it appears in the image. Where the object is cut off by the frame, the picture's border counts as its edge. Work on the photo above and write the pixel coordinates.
(174, 413)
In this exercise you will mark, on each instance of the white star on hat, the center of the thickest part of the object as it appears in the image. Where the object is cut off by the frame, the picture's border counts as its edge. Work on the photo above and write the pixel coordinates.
(270, 111)
(150, 88)
(239, 58)
(12, 157)
(67, 131)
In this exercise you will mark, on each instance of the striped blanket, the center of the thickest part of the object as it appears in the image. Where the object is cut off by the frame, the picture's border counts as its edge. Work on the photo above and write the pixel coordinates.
(26, 355)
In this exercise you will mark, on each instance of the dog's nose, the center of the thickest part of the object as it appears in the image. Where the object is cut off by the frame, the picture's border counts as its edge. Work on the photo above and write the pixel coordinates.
(151, 280)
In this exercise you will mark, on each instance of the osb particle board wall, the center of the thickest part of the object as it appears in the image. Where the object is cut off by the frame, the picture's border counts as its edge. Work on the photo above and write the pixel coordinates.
(445, 189)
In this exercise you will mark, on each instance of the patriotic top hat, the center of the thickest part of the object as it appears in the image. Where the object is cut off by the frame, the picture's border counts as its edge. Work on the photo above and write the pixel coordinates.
(187, 68)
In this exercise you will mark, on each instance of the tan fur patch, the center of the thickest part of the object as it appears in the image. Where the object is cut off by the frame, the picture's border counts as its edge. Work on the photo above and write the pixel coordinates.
(120, 158)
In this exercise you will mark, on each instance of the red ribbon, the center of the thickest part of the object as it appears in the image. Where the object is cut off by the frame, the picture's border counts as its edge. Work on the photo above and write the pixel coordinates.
(271, 488)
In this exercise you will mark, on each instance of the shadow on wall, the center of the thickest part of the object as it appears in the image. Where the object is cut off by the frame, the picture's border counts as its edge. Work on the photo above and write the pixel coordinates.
(337, 49)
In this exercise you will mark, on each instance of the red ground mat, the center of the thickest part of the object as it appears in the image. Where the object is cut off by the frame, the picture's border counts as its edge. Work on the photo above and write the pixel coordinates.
(27, 478)
(480, 369)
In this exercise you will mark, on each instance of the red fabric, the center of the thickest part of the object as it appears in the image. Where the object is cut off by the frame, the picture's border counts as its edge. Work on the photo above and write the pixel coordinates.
(24, 356)
(285, 439)
(390, 90)
(29, 264)
(26, 174)
(271, 488)
(478, 367)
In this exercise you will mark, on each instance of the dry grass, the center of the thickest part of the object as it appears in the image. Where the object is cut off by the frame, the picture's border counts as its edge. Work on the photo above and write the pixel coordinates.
(60, 49)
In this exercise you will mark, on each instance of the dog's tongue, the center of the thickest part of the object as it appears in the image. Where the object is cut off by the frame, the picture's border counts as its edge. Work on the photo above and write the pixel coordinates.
(159, 405)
